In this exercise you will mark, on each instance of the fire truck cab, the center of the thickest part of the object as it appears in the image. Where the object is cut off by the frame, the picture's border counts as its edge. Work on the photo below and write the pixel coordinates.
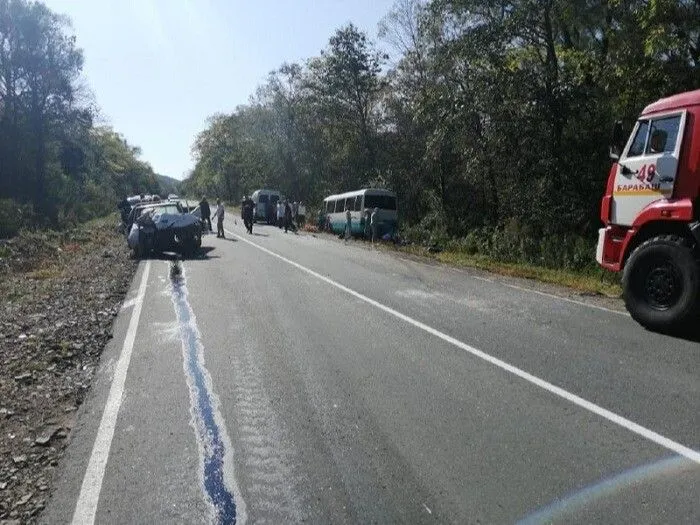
(651, 212)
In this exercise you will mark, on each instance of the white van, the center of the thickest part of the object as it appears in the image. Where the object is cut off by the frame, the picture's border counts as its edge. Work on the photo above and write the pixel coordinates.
(263, 198)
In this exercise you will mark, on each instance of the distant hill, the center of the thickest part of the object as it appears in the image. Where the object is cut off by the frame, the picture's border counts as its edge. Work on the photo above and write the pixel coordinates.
(168, 184)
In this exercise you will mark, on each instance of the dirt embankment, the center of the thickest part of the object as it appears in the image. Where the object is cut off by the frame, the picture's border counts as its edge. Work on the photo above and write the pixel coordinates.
(60, 293)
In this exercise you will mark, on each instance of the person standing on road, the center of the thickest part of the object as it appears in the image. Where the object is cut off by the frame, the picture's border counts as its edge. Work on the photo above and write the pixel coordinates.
(206, 211)
(280, 214)
(366, 227)
(269, 213)
(124, 208)
(301, 215)
(374, 224)
(348, 223)
(219, 214)
(247, 213)
(287, 217)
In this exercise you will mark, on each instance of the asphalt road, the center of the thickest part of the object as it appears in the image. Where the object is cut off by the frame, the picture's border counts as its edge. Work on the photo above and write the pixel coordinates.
(293, 378)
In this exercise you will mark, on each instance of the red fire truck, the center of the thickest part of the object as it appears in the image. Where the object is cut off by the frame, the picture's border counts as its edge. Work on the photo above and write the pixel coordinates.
(651, 213)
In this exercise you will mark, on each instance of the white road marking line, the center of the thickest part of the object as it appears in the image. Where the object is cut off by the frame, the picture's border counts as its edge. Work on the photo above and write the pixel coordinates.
(86, 507)
(557, 391)
(550, 295)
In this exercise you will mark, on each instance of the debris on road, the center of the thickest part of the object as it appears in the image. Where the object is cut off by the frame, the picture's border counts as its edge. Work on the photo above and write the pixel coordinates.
(46, 435)
(24, 500)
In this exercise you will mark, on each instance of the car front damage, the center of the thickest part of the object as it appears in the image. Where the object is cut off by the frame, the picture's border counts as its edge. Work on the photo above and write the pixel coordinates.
(166, 232)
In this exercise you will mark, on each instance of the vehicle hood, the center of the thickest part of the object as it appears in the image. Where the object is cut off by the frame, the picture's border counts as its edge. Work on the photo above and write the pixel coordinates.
(166, 221)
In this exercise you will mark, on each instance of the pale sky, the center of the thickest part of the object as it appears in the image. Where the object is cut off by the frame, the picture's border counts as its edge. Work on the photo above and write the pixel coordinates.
(159, 68)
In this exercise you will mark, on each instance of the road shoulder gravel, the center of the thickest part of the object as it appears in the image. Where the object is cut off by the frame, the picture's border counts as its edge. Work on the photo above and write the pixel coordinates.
(61, 294)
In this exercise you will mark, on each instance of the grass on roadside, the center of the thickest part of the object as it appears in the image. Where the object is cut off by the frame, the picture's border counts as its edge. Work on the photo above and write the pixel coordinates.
(42, 254)
(44, 273)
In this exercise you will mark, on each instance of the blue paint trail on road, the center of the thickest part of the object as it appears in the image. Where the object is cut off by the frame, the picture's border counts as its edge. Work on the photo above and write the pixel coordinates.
(210, 436)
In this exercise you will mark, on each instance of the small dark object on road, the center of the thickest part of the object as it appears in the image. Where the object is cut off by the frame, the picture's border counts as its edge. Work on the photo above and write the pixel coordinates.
(175, 269)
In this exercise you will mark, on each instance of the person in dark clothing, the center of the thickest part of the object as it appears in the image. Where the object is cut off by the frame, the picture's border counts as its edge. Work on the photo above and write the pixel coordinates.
(206, 212)
(288, 217)
(247, 213)
(270, 213)
(124, 209)
(366, 225)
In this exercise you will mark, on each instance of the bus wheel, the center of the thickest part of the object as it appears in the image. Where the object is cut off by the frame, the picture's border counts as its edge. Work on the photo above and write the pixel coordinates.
(661, 284)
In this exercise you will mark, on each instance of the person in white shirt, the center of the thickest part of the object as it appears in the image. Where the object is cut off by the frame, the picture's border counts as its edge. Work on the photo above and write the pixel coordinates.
(280, 214)
(301, 214)
(374, 224)
(219, 215)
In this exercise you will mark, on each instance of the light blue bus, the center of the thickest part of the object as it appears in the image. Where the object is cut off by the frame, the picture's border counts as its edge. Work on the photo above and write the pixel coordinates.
(359, 202)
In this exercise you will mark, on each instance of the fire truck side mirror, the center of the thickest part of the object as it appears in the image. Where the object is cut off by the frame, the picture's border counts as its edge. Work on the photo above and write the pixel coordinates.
(617, 141)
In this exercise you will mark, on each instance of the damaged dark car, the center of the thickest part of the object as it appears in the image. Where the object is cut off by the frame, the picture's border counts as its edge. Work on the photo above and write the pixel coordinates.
(159, 228)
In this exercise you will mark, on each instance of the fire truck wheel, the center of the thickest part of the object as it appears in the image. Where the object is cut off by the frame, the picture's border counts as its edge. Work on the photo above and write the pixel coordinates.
(661, 284)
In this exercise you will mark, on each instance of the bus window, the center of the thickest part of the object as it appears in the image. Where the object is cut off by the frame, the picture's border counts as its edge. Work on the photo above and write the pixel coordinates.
(349, 203)
(339, 205)
(274, 198)
(383, 202)
(358, 203)
(329, 206)
(263, 199)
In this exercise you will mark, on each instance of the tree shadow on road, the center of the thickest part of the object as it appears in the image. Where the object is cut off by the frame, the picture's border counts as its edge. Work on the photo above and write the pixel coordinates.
(204, 254)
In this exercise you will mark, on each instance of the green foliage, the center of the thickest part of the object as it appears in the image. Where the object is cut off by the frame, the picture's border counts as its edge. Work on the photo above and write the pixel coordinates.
(512, 243)
(13, 216)
(51, 155)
